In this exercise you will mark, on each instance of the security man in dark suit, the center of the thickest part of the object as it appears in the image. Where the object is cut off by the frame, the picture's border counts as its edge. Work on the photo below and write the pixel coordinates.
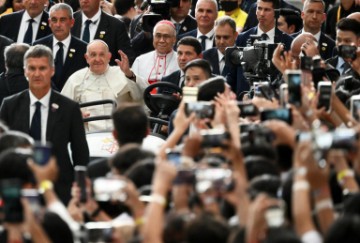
(188, 49)
(27, 25)
(181, 19)
(48, 117)
(225, 36)
(93, 23)
(206, 13)
(266, 29)
(313, 17)
(68, 50)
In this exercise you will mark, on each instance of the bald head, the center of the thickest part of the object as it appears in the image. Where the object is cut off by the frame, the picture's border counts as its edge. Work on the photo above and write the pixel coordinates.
(299, 41)
(355, 16)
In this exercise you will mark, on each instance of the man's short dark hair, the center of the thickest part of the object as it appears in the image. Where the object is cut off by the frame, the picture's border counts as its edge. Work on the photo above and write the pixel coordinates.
(130, 123)
(292, 17)
(352, 25)
(209, 89)
(123, 6)
(200, 63)
(13, 164)
(14, 55)
(274, 2)
(15, 139)
(190, 41)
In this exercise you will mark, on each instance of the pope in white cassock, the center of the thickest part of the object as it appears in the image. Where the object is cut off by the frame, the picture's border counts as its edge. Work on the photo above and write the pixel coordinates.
(152, 66)
(100, 81)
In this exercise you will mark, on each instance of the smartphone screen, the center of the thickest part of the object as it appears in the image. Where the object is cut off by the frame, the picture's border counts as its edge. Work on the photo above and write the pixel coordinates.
(42, 153)
(355, 107)
(283, 114)
(80, 177)
(11, 194)
(294, 88)
(324, 89)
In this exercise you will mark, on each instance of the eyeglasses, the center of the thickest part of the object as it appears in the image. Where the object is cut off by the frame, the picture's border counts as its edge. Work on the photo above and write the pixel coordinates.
(164, 36)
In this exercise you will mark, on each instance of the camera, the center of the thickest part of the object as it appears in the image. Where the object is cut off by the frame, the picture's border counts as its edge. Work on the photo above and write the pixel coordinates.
(255, 58)
(202, 109)
(247, 109)
(255, 134)
(99, 232)
(282, 114)
(294, 78)
(214, 138)
(160, 10)
(325, 90)
(219, 179)
(10, 190)
(340, 138)
(347, 51)
(42, 153)
(108, 189)
(80, 178)
(355, 107)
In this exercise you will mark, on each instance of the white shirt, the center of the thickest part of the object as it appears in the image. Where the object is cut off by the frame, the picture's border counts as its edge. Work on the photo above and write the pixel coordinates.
(209, 42)
(151, 67)
(85, 86)
(270, 34)
(44, 112)
(24, 26)
(66, 45)
(93, 26)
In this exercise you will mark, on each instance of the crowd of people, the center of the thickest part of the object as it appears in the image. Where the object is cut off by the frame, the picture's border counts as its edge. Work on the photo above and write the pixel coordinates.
(261, 102)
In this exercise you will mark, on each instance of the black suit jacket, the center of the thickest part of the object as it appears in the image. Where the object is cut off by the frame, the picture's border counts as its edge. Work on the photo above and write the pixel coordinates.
(173, 78)
(112, 31)
(10, 25)
(213, 57)
(326, 45)
(64, 125)
(74, 61)
(187, 25)
(279, 37)
(238, 75)
(193, 33)
(252, 20)
(4, 42)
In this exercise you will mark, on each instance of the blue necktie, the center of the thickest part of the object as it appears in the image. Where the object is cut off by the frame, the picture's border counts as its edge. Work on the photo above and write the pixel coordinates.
(35, 128)
(86, 35)
(29, 33)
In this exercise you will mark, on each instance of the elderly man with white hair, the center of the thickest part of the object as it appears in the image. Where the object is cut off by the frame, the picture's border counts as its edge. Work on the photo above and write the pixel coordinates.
(150, 67)
(101, 81)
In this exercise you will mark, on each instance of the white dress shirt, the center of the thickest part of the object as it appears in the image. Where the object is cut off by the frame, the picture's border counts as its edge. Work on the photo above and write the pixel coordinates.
(209, 42)
(270, 34)
(221, 61)
(44, 112)
(24, 26)
(66, 45)
(93, 26)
